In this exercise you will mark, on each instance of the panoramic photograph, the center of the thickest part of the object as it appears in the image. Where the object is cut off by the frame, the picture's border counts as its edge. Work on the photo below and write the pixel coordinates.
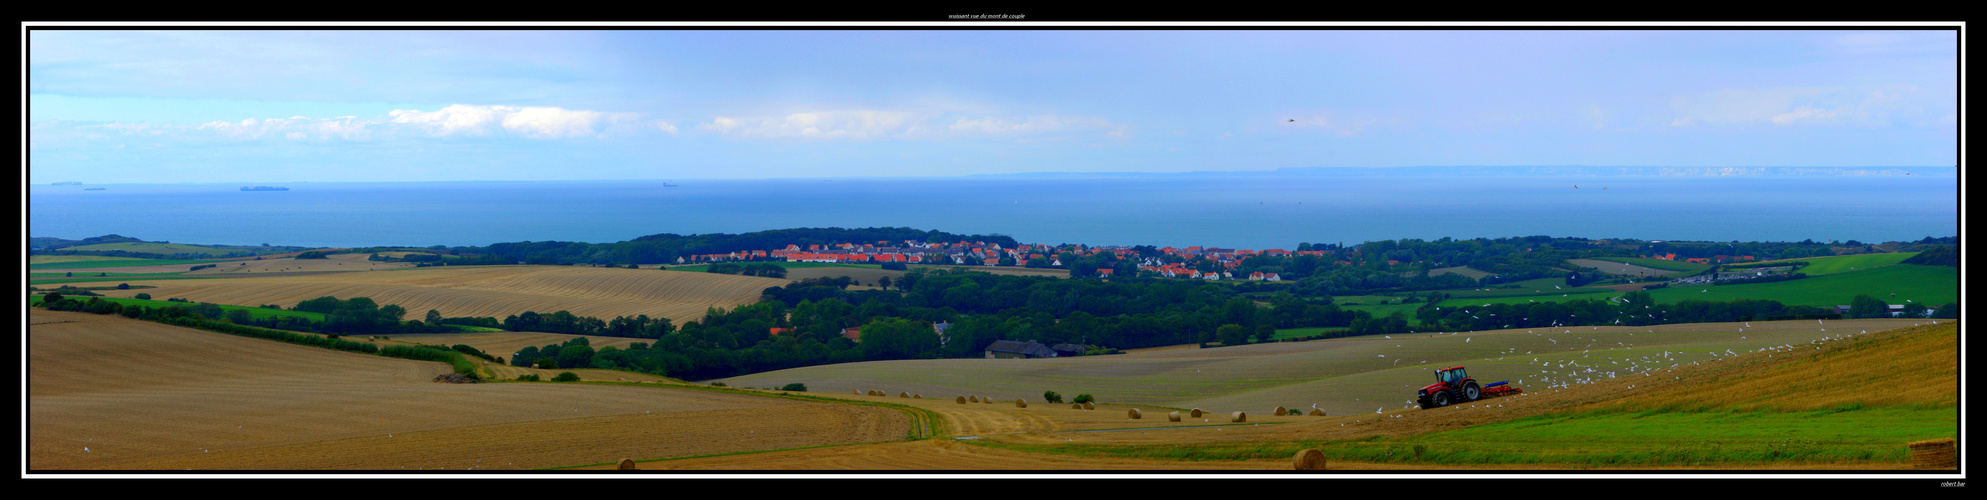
(962, 251)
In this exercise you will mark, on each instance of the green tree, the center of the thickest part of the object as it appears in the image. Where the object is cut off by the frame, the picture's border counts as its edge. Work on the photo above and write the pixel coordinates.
(1232, 334)
(576, 356)
(434, 317)
(1865, 306)
(897, 338)
(1265, 332)
(1051, 396)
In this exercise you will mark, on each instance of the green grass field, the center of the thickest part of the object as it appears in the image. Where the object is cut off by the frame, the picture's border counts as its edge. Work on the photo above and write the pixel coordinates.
(95, 264)
(1932, 286)
(1667, 265)
(1542, 287)
(1371, 304)
(1466, 271)
(1669, 439)
(1842, 264)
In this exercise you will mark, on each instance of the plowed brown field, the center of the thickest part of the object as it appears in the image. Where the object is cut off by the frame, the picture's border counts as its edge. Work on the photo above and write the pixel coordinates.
(489, 291)
(107, 393)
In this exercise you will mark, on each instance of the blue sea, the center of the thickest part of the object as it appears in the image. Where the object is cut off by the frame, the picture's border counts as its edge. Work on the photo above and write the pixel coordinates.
(1251, 212)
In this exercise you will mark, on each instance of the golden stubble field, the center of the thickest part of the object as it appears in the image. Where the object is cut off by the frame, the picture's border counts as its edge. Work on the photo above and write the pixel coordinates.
(1340, 376)
(108, 393)
(1002, 425)
(488, 291)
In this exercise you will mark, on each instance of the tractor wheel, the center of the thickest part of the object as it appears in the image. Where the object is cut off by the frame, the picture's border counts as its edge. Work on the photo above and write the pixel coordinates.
(1441, 398)
(1471, 392)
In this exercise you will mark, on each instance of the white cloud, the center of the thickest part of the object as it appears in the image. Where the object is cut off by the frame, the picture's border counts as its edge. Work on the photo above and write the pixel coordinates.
(1805, 113)
(1797, 106)
(886, 124)
(296, 127)
(455, 119)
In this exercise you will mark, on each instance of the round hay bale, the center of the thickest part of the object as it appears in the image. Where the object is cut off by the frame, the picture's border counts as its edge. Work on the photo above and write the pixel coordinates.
(974, 399)
(1020, 403)
(857, 392)
(1074, 406)
(1134, 414)
(903, 394)
(1281, 411)
(627, 464)
(1238, 417)
(1309, 459)
(1195, 413)
(960, 400)
(917, 396)
(1317, 413)
(1089, 406)
(1934, 454)
(874, 392)
(987, 400)
(1172, 416)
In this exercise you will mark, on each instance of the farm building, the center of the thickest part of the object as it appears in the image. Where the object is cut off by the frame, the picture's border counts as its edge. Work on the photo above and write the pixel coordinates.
(1067, 350)
(1010, 349)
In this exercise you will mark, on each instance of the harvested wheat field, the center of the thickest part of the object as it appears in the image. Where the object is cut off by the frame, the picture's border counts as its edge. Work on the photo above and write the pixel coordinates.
(1341, 376)
(108, 393)
(1001, 437)
(490, 291)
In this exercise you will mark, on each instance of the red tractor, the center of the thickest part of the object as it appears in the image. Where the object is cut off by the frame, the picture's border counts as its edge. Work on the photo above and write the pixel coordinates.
(1454, 385)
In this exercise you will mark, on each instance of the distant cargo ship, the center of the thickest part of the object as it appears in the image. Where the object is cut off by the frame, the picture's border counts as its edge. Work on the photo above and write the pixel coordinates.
(264, 188)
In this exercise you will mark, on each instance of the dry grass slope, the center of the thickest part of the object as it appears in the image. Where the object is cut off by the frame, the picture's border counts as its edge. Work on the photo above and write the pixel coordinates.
(107, 393)
(1914, 367)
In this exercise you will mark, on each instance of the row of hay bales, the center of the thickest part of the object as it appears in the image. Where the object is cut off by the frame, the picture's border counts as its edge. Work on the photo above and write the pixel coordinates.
(874, 392)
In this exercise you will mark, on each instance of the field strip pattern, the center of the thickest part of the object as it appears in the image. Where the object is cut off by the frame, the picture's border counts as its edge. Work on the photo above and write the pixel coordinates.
(497, 292)
(113, 393)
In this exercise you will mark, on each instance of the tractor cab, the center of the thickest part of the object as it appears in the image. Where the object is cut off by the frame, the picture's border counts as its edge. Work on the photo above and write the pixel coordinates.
(1452, 385)
(1451, 375)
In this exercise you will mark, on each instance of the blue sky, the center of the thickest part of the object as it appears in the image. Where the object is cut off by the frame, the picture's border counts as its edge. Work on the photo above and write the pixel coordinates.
(362, 105)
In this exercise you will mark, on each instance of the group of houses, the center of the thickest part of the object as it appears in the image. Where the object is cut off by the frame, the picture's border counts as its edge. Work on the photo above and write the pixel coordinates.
(1173, 263)
(1010, 349)
(1715, 259)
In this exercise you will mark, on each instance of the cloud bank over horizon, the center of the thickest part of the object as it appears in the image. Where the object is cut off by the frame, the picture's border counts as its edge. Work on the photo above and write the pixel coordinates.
(217, 106)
